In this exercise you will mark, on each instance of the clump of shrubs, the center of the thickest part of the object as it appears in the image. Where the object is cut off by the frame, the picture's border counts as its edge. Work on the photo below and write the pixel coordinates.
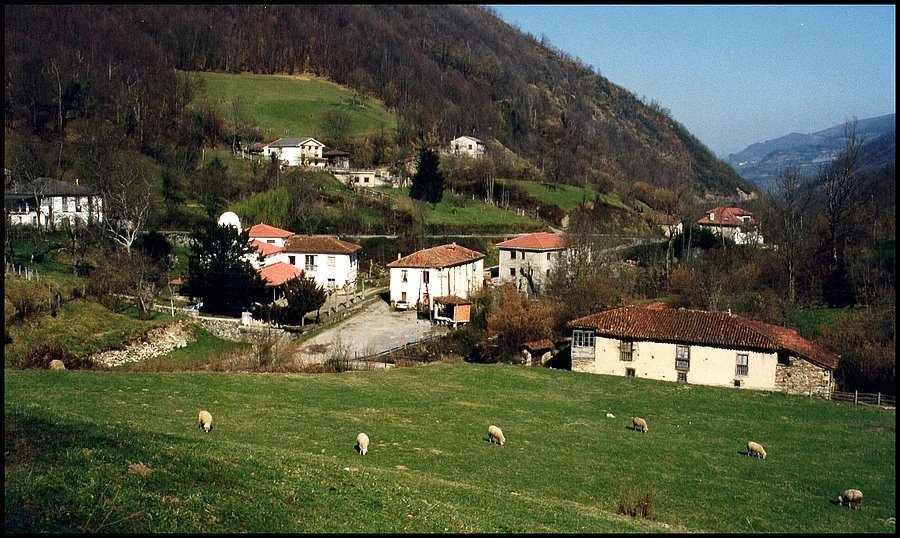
(636, 506)
(40, 356)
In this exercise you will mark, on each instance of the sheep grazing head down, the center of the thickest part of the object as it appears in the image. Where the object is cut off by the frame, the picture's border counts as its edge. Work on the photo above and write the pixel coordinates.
(756, 449)
(496, 434)
(850, 497)
(362, 444)
(205, 421)
(639, 424)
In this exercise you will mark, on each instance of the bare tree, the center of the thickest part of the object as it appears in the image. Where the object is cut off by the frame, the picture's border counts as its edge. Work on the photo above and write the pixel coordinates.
(128, 199)
(792, 201)
(841, 186)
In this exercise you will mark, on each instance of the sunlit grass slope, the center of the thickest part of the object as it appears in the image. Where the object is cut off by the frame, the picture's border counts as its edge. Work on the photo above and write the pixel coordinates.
(280, 457)
(292, 106)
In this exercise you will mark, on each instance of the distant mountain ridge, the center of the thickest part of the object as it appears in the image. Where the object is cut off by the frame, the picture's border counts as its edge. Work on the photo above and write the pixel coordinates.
(762, 162)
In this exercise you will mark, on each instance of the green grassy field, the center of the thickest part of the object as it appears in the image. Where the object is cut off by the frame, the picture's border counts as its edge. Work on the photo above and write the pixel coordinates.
(280, 457)
(292, 106)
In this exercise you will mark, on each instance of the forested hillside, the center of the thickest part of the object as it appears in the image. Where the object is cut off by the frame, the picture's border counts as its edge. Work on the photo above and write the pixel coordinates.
(445, 70)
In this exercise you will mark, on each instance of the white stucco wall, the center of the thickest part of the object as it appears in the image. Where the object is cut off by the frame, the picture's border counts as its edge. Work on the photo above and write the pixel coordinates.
(459, 280)
(535, 259)
(344, 271)
(656, 360)
(55, 209)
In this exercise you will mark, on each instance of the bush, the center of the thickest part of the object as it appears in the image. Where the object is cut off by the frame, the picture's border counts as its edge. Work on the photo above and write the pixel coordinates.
(40, 356)
(639, 506)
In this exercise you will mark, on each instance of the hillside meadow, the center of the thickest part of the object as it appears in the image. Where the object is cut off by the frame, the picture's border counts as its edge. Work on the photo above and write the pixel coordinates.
(121, 452)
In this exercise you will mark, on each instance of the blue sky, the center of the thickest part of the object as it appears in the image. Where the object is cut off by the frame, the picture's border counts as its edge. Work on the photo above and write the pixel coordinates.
(733, 75)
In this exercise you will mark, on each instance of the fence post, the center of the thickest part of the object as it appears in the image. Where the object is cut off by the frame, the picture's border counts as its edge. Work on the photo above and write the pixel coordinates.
(879, 398)
(856, 397)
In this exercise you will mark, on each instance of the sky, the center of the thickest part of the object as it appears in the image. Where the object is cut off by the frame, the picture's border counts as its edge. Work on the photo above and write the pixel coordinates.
(733, 75)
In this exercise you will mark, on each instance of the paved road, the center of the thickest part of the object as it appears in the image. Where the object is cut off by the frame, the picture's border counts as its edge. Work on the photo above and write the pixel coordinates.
(373, 329)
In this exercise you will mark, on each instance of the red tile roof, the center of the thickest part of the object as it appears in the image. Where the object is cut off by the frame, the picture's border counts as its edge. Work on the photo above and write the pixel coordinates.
(319, 244)
(728, 216)
(700, 327)
(279, 273)
(264, 230)
(438, 257)
(536, 241)
(264, 248)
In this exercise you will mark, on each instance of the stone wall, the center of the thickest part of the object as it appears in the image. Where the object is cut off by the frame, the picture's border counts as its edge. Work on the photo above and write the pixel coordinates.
(803, 377)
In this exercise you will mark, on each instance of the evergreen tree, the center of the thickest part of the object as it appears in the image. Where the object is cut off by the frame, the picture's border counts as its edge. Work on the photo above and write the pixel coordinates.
(303, 295)
(219, 270)
(428, 181)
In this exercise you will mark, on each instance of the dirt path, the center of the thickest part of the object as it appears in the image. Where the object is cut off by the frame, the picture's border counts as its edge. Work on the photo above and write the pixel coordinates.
(373, 329)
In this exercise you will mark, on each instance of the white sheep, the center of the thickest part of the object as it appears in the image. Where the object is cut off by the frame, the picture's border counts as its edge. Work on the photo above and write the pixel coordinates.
(496, 433)
(756, 449)
(205, 421)
(57, 364)
(610, 415)
(853, 498)
(362, 443)
(639, 424)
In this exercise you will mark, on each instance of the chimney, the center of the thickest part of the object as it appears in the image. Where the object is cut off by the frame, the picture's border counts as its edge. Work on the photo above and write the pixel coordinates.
(399, 256)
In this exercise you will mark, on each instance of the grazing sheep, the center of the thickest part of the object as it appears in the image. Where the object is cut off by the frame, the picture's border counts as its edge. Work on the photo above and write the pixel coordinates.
(853, 497)
(639, 424)
(495, 433)
(57, 364)
(205, 419)
(756, 449)
(362, 443)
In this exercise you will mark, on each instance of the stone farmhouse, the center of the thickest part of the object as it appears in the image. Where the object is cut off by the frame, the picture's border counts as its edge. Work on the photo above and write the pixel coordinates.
(50, 202)
(526, 261)
(695, 346)
(425, 276)
(734, 223)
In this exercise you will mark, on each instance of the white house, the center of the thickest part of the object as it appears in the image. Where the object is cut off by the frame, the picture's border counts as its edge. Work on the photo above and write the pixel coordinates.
(527, 260)
(333, 263)
(50, 202)
(268, 241)
(467, 145)
(733, 222)
(441, 271)
(297, 152)
(695, 346)
(366, 177)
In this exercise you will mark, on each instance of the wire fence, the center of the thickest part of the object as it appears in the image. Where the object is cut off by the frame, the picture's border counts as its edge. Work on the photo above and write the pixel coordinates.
(865, 398)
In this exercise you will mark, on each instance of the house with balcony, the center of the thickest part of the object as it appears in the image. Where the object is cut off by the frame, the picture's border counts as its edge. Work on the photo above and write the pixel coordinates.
(51, 202)
(332, 262)
(450, 272)
(305, 152)
(700, 347)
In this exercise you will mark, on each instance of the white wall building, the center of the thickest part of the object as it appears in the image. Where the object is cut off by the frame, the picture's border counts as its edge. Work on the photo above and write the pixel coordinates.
(439, 271)
(526, 261)
(333, 263)
(297, 152)
(467, 145)
(695, 346)
(50, 202)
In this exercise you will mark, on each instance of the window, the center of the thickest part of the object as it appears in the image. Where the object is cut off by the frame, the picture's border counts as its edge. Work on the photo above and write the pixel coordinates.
(310, 262)
(625, 349)
(512, 254)
(402, 295)
(682, 359)
(743, 364)
(292, 260)
(548, 256)
(331, 261)
(582, 338)
(512, 271)
(425, 277)
(270, 241)
(682, 377)
(403, 275)
(738, 382)
(331, 283)
(629, 372)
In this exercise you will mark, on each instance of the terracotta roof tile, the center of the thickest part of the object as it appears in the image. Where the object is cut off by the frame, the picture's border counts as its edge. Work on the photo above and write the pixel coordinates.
(728, 216)
(536, 241)
(703, 328)
(264, 230)
(279, 273)
(438, 257)
(319, 244)
(265, 249)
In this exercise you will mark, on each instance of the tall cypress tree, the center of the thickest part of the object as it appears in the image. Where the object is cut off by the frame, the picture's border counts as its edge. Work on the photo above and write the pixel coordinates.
(428, 181)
